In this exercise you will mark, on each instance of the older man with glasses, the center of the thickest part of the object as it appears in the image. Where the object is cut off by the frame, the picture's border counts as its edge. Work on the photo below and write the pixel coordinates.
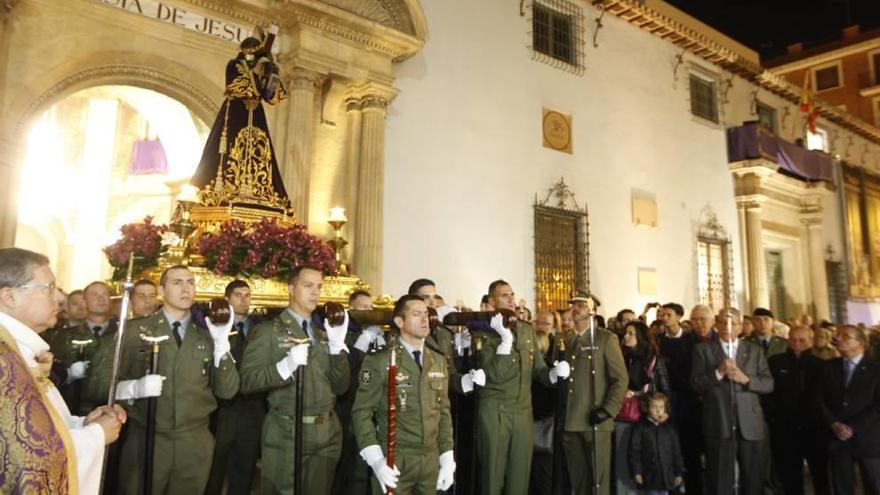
(60, 453)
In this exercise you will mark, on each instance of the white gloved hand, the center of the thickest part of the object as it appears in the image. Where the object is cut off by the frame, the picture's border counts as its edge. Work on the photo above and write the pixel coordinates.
(220, 336)
(77, 371)
(143, 387)
(471, 379)
(446, 476)
(497, 324)
(369, 335)
(561, 369)
(462, 340)
(297, 356)
(336, 335)
(444, 310)
(386, 475)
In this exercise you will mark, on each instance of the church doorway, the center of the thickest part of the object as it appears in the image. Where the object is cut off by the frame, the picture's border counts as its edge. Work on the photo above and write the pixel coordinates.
(96, 160)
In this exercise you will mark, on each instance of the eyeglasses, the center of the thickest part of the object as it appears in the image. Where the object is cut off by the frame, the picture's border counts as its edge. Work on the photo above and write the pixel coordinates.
(50, 286)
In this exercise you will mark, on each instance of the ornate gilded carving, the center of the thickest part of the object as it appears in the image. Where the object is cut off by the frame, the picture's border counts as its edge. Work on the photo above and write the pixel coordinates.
(391, 13)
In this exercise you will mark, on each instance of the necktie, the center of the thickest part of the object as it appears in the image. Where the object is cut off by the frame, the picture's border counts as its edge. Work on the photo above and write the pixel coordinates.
(97, 331)
(240, 328)
(417, 356)
(176, 328)
(308, 331)
(850, 367)
(765, 343)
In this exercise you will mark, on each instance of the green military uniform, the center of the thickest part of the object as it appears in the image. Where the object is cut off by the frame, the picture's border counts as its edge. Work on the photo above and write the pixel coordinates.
(443, 339)
(775, 345)
(67, 353)
(424, 422)
(611, 381)
(239, 425)
(504, 413)
(326, 376)
(184, 443)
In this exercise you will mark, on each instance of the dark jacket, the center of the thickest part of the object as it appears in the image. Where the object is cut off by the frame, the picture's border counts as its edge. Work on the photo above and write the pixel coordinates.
(654, 453)
(856, 405)
(792, 406)
(637, 366)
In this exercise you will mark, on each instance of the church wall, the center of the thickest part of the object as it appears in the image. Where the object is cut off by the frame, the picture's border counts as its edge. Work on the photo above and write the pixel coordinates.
(464, 158)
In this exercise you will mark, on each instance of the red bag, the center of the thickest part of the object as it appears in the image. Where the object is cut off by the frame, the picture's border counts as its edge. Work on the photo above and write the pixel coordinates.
(629, 409)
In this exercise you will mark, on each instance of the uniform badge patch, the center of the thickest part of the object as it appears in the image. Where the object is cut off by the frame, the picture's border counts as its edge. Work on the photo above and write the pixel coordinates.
(366, 376)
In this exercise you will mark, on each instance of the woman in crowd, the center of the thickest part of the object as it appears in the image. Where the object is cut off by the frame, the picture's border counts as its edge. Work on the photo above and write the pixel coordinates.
(647, 373)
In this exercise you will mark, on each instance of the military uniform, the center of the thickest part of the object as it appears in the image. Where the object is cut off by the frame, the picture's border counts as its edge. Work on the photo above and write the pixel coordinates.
(504, 412)
(424, 422)
(775, 345)
(67, 353)
(239, 425)
(611, 383)
(184, 443)
(326, 376)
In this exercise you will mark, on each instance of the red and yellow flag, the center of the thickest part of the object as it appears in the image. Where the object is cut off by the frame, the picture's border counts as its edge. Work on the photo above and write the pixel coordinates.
(808, 103)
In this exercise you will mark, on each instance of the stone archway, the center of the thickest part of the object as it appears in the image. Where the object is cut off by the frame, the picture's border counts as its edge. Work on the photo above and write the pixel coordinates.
(138, 70)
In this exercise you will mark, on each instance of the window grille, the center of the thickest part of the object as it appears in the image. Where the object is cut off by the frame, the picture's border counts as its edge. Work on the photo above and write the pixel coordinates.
(558, 34)
(704, 97)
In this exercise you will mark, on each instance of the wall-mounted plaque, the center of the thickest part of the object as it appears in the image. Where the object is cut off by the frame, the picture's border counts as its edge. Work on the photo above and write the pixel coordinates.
(557, 131)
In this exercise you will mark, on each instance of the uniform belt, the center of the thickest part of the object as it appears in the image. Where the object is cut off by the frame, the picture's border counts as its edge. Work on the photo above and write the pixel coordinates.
(316, 419)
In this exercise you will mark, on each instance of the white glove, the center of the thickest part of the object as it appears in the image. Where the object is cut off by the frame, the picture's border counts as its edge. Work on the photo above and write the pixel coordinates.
(462, 340)
(472, 378)
(336, 335)
(446, 476)
(77, 370)
(297, 356)
(561, 369)
(444, 310)
(497, 324)
(143, 387)
(220, 336)
(386, 475)
(369, 335)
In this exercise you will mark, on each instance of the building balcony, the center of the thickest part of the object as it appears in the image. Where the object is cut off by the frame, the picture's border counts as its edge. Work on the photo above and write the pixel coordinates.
(752, 142)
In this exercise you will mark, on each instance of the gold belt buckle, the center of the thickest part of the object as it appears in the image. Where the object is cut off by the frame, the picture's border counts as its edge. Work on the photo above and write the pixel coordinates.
(319, 419)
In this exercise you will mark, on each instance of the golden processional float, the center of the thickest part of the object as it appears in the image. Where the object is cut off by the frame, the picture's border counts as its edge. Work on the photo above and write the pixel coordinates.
(234, 219)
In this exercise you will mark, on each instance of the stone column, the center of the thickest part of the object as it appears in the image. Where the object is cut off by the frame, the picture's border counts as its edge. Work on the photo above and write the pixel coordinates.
(353, 130)
(297, 165)
(11, 156)
(370, 195)
(756, 277)
(816, 266)
(744, 254)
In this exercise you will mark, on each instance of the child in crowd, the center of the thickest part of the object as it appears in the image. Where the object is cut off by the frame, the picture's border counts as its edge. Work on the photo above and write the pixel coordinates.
(654, 456)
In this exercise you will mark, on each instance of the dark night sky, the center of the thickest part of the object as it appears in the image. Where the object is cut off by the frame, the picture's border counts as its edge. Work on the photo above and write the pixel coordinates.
(768, 26)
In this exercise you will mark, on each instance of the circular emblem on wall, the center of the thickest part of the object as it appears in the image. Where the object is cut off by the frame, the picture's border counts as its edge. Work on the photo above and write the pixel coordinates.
(557, 131)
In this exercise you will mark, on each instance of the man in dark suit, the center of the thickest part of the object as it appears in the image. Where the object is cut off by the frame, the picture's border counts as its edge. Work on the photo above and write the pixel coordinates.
(795, 430)
(240, 419)
(729, 374)
(849, 404)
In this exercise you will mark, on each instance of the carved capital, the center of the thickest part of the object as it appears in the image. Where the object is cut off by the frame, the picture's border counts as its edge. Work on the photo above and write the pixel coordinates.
(353, 104)
(300, 79)
(370, 96)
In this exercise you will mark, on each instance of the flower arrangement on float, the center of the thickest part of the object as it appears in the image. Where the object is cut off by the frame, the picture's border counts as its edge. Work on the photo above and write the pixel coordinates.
(267, 248)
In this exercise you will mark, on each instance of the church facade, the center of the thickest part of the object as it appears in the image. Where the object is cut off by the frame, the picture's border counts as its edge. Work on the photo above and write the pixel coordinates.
(552, 143)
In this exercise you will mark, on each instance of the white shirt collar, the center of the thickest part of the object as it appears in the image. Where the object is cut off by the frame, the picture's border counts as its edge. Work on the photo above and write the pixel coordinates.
(729, 348)
(675, 336)
(29, 342)
(410, 349)
(855, 360)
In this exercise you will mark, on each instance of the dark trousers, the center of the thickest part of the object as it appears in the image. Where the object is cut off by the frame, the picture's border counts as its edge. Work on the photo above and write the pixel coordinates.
(692, 448)
(236, 449)
(790, 447)
(721, 453)
(842, 462)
